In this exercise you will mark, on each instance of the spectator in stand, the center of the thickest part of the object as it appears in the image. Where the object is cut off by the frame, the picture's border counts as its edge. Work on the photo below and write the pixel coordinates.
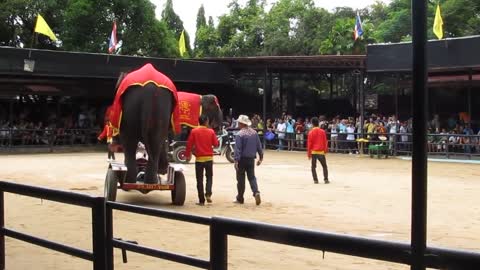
(290, 130)
(317, 149)
(404, 137)
(308, 125)
(351, 138)
(299, 131)
(334, 129)
(467, 140)
(393, 129)
(281, 128)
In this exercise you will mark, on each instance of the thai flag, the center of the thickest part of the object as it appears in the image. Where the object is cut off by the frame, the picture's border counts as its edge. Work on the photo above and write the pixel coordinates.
(113, 39)
(358, 27)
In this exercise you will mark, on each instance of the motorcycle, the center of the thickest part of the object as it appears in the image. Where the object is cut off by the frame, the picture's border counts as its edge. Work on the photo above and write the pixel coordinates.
(226, 146)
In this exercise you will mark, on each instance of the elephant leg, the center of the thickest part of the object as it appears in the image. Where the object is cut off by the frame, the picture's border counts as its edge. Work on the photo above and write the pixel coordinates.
(152, 148)
(130, 149)
(163, 159)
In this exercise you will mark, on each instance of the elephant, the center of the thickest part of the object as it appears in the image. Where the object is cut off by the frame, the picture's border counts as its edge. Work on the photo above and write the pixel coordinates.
(146, 115)
(209, 107)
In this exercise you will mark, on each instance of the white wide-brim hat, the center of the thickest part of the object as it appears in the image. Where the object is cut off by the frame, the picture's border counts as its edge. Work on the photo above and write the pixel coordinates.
(244, 120)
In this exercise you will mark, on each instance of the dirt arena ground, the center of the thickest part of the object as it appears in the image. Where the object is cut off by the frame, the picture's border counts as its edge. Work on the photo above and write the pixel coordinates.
(367, 197)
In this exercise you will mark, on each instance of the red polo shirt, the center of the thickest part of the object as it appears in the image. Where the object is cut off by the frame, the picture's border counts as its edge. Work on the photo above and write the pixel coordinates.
(317, 142)
(203, 139)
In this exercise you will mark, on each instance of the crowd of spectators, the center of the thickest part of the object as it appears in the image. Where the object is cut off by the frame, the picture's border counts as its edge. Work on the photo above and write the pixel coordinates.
(66, 129)
(286, 132)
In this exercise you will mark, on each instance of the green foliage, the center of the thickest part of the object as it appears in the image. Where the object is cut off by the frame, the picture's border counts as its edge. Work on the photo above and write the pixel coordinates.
(175, 24)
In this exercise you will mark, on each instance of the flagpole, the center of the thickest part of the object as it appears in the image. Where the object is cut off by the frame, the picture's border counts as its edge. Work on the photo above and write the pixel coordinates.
(34, 38)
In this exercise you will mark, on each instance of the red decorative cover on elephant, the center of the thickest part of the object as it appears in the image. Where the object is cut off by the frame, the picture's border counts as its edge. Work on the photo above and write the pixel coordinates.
(189, 108)
(144, 75)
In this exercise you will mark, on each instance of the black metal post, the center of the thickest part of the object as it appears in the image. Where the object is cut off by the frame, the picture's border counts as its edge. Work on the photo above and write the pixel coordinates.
(397, 83)
(109, 233)
(362, 109)
(265, 107)
(99, 234)
(218, 246)
(2, 235)
(419, 155)
(469, 95)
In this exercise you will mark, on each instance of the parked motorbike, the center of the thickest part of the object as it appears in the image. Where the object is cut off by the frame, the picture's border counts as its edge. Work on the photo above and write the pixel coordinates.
(226, 146)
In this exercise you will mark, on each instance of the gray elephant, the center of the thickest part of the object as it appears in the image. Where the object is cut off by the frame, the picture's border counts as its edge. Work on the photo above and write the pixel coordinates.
(191, 106)
(144, 110)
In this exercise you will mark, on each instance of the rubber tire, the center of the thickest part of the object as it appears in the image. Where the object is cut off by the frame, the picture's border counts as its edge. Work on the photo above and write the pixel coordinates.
(179, 193)
(111, 185)
(230, 155)
(177, 151)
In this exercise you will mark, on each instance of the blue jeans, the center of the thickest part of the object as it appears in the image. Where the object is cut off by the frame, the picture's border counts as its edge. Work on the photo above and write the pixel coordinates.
(280, 144)
(246, 165)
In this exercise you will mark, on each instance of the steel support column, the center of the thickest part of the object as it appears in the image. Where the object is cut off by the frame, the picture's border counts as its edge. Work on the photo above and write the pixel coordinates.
(419, 155)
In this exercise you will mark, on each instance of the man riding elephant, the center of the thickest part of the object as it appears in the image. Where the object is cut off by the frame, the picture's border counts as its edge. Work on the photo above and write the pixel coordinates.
(144, 108)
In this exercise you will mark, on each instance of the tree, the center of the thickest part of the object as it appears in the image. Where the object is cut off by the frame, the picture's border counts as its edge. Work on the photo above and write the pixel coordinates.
(18, 19)
(85, 26)
(175, 24)
(241, 32)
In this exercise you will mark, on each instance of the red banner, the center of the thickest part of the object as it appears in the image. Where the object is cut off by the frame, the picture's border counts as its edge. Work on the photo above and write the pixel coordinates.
(189, 108)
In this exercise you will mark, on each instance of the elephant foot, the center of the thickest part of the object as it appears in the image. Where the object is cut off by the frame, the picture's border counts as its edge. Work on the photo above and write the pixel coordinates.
(163, 170)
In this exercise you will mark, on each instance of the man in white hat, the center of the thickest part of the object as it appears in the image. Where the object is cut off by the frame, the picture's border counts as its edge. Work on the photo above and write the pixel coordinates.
(247, 145)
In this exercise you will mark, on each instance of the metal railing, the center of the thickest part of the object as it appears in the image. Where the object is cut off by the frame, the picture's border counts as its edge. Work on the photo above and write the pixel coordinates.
(97, 204)
(102, 254)
(47, 138)
(130, 246)
(446, 145)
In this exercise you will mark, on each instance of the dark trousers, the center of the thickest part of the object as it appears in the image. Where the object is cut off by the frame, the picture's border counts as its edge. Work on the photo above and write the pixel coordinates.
(323, 162)
(111, 154)
(246, 165)
(208, 168)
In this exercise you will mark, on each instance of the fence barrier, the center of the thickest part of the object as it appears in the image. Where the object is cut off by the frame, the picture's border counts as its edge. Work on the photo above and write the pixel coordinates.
(97, 205)
(220, 228)
(446, 145)
(47, 138)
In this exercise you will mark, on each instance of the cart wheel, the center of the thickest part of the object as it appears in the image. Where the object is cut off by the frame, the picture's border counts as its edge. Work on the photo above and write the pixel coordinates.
(179, 154)
(230, 155)
(178, 194)
(111, 184)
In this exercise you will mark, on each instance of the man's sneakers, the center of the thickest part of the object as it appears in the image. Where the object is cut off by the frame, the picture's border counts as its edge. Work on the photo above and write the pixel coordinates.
(237, 202)
(209, 199)
(200, 203)
(315, 181)
(326, 181)
(258, 200)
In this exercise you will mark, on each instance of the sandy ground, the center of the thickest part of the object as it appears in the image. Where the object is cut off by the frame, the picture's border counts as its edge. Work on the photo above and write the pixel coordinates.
(367, 197)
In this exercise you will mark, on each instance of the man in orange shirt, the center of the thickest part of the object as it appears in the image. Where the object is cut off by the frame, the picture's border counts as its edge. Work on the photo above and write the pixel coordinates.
(317, 149)
(108, 133)
(203, 139)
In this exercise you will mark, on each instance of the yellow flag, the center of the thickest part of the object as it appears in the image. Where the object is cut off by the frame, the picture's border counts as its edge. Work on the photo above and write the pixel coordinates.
(181, 44)
(42, 27)
(438, 24)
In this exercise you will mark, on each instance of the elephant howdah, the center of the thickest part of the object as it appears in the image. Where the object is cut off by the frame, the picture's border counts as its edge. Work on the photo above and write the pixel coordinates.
(144, 109)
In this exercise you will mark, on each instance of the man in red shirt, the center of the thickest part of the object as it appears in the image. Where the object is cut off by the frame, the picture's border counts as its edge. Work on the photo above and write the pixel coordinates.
(317, 149)
(108, 133)
(203, 139)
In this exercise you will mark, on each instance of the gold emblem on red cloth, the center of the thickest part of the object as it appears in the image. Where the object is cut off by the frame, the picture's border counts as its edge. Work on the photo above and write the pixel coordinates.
(185, 110)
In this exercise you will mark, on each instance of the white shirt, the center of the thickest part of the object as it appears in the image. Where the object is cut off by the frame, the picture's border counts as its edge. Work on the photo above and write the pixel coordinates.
(350, 131)
(281, 127)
